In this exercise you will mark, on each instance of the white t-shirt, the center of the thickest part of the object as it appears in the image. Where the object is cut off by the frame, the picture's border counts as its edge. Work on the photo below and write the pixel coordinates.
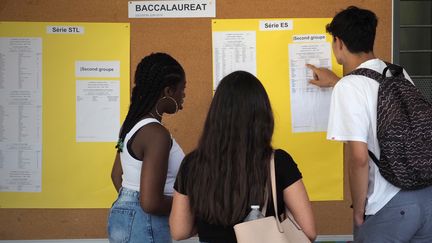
(353, 117)
(132, 167)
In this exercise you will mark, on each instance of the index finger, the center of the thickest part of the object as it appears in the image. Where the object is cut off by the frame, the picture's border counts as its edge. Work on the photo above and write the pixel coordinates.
(311, 66)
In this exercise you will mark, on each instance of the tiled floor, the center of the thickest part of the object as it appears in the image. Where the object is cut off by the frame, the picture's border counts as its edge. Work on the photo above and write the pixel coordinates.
(191, 240)
(320, 240)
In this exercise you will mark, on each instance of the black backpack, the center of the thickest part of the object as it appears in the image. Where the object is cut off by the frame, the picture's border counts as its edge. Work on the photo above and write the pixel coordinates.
(404, 130)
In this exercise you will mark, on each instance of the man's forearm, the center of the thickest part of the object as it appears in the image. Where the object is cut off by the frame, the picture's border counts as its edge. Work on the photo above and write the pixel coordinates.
(357, 159)
(358, 185)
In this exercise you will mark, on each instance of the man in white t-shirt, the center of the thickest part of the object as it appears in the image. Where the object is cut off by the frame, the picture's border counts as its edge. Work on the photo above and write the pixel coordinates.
(382, 212)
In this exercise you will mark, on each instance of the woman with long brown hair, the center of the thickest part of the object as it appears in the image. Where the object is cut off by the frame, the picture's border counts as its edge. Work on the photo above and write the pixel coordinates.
(229, 170)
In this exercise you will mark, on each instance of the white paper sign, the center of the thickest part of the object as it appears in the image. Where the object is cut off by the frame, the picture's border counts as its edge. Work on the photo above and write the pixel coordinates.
(97, 110)
(172, 9)
(103, 69)
(233, 51)
(309, 104)
(65, 30)
(20, 114)
(309, 38)
(274, 25)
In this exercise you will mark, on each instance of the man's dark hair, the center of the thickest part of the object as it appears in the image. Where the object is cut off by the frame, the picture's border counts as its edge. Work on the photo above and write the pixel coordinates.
(356, 27)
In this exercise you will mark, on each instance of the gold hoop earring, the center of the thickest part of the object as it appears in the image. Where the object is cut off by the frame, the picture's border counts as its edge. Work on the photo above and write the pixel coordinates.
(175, 102)
(156, 108)
(166, 97)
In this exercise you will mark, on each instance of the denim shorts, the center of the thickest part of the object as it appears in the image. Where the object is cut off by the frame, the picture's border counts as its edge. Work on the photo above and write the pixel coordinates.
(128, 223)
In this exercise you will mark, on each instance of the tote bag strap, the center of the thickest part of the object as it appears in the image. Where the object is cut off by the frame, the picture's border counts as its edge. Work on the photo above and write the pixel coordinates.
(273, 188)
(288, 215)
(266, 195)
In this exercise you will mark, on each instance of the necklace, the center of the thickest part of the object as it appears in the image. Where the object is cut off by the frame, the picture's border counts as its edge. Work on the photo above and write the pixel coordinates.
(151, 114)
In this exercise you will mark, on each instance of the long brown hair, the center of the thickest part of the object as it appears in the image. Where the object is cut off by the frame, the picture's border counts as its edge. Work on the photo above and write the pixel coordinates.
(228, 171)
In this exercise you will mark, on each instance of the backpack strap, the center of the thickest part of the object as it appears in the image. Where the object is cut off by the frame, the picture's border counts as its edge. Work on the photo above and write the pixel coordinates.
(373, 157)
(394, 69)
(368, 73)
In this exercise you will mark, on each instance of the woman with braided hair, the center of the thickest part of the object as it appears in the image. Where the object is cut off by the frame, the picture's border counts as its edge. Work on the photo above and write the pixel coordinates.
(147, 157)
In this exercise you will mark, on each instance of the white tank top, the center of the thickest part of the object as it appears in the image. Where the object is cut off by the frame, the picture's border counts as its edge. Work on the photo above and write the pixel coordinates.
(132, 167)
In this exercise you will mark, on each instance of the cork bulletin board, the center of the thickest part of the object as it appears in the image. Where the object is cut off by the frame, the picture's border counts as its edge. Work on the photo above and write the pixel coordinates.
(189, 40)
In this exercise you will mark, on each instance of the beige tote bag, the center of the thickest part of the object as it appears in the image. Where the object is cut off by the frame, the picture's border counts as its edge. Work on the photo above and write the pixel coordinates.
(270, 229)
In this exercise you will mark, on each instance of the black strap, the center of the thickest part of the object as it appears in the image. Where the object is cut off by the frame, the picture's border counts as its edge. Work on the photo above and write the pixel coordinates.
(368, 73)
(394, 69)
(373, 157)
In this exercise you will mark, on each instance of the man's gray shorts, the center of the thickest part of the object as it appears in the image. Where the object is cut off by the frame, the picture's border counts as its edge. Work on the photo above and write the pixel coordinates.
(407, 217)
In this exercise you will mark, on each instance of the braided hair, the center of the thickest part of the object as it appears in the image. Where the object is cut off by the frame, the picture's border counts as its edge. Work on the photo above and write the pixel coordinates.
(155, 72)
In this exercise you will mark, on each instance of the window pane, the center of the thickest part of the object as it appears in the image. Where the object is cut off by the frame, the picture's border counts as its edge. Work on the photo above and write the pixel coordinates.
(425, 86)
(417, 63)
(415, 12)
(415, 39)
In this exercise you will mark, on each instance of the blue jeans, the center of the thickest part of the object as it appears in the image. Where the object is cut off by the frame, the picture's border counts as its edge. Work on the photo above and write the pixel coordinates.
(128, 223)
(407, 217)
